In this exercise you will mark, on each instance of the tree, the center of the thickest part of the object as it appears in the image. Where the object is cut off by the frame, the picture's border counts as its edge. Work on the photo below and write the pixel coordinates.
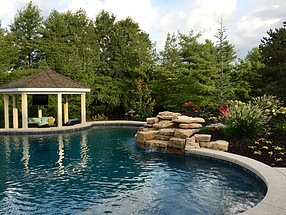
(126, 54)
(26, 36)
(142, 101)
(185, 73)
(105, 33)
(225, 57)
(133, 51)
(273, 52)
(248, 75)
(8, 53)
(166, 87)
(69, 47)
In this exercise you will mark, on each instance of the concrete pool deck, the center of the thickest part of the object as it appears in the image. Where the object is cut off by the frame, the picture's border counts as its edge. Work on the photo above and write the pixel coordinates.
(274, 178)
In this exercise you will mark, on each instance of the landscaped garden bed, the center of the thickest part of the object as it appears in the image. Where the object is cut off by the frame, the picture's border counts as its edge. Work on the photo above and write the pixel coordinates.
(268, 148)
(255, 129)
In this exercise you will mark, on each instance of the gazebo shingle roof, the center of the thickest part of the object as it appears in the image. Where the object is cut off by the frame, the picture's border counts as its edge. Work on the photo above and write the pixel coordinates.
(44, 79)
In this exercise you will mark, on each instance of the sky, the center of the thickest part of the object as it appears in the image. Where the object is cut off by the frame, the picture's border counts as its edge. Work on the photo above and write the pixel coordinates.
(246, 21)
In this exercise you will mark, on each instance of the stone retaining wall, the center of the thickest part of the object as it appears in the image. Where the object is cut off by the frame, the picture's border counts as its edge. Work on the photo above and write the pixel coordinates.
(175, 133)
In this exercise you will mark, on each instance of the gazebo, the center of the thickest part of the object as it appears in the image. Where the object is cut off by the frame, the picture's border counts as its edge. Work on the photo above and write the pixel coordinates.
(45, 82)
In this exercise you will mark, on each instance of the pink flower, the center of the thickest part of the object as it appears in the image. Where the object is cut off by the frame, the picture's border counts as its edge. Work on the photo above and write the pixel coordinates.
(187, 104)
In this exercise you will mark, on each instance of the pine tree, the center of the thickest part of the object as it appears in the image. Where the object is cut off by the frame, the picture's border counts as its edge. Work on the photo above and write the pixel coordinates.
(225, 58)
(8, 53)
(273, 52)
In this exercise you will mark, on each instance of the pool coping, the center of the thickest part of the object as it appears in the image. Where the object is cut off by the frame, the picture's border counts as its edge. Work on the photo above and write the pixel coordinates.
(274, 178)
(66, 129)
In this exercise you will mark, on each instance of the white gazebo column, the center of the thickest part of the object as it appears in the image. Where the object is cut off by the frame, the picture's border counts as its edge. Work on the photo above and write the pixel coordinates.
(6, 111)
(40, 111)
(15, 112)
(83, 108)
(66, 109)
(24, 111)
(60, 112)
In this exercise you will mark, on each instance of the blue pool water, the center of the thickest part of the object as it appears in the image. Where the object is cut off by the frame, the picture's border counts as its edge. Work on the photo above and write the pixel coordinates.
(101, 171)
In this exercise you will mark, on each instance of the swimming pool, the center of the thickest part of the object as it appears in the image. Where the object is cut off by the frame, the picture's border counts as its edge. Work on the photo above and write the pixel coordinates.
(101, 170)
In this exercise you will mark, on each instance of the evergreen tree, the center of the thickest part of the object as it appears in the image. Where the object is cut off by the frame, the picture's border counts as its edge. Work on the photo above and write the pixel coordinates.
(126, 54)
(225, 57)
(105, 33)
(166, 85)
(8, 53)
(273, 52)
(26, 36)
(69, 47)
(249, 76)
(186, 72)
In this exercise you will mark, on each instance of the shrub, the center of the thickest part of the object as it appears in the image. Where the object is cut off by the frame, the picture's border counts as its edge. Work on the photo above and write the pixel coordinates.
(281, 126)
(99, 117)
(190, 106)
(270, 105)
(244, 120)
(205, 130)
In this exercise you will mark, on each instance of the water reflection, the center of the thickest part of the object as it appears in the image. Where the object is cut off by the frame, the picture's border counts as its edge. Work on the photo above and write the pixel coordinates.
(61, 154)
(28, 147)
(84, 149)
(26, 153)
(7, 147)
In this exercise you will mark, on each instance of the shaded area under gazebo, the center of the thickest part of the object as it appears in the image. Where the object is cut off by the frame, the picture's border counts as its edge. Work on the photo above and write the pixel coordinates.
(46, 82)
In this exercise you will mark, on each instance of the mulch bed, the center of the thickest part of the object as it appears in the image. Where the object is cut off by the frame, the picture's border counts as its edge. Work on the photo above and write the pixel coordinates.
(268, 149)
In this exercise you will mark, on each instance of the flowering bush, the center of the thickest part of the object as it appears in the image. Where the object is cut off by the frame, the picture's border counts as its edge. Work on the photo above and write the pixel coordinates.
(223, 108)
(191, 106)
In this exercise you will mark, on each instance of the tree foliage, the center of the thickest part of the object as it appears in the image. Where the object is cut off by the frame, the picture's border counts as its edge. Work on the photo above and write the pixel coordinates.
(273, 51)
(225, 57)
(118, 61)
(24, 30)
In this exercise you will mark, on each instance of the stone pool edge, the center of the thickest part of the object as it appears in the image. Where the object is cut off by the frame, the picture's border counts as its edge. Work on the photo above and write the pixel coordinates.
(66, 129)
(275, 180)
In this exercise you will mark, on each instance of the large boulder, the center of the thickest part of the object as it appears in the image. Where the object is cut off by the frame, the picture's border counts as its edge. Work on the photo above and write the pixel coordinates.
(188, 120)
(168, 113)
(157, 144)
(202, 137)
(143, 136)
(191, 144)
(167, 132)
(184, 133)
(164, 124)
(208, 145)
(152, 120)
(191, 125)
(178, 143)
(221, 145)
(162, 137)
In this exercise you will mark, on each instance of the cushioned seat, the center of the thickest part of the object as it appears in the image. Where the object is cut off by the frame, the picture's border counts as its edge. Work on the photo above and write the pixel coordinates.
(72, 122)
(41, 121)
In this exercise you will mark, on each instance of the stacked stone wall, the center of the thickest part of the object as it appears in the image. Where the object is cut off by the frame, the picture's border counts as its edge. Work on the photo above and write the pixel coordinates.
(175, 133)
